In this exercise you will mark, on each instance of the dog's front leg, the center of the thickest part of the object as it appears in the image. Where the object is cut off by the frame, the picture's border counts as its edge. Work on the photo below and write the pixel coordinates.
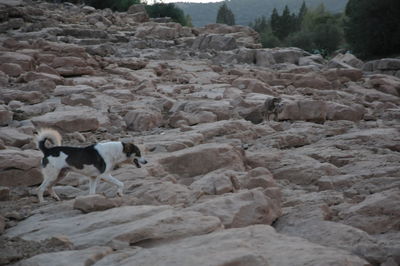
(110, 179)
(92, 185)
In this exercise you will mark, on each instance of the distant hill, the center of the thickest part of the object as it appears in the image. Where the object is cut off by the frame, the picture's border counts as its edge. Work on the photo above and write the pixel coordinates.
(246, 11)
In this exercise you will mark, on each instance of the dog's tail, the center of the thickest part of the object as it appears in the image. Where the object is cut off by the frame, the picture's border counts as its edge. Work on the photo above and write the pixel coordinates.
(48, 134)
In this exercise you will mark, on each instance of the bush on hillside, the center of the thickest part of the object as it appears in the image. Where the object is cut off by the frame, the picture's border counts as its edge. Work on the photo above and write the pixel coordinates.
(115, 5)
(160, 10)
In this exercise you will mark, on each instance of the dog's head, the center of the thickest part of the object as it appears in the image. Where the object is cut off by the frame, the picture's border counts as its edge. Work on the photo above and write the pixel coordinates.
(133, 151)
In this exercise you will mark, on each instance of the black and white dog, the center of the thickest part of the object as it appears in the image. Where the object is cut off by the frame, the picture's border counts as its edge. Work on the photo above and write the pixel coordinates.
(95, 161)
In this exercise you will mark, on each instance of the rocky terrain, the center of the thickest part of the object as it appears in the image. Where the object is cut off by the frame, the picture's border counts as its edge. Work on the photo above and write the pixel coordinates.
(317, 184)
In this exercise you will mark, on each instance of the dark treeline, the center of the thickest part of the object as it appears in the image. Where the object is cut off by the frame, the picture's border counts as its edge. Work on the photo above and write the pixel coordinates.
(314, 30)
(368, 28)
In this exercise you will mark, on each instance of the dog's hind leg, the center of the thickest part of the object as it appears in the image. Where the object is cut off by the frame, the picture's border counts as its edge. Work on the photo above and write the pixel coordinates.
(110, 179)
(50, 175)
(60, 176)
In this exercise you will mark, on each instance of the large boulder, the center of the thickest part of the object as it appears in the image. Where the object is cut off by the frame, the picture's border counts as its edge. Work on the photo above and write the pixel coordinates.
(346, 60)
(160, 31)
(214, 42)
(296, 168)
(29, 97)
(122, 226)
(244, 208)
(13, 137)
(6, 115)
(385, 83)
(336, 235)
(200, 160)
(244, 36)
(71, 257)
(337, 111)
(288, 55)
(217, 182)
(143, 119)
(11, 69)
(26, 62)
(78, 119)
(376, 214)
(20, 168)
(257, 245)
(93, 203)
(304, 109)
(138, 13)
(71, 66)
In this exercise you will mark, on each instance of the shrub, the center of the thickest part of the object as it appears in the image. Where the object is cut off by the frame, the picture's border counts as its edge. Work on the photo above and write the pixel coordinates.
(160, 10)
(302, 39)
(115, 5)
(269, 40)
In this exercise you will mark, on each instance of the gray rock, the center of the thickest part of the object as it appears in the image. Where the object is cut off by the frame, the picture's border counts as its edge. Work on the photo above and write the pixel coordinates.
(244, 246)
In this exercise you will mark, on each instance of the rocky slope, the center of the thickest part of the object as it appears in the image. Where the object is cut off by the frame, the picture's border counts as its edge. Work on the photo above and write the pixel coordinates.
(318, 185)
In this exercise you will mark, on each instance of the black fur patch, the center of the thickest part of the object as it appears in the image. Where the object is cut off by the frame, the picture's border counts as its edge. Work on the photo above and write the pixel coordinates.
(45, 161)
(77, 157)
(130, 148)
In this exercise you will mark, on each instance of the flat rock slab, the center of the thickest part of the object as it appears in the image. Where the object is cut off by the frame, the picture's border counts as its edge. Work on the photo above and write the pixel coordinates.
(73, 257)
(129, 225)
(241, 209)
(84, 119)
(256, 245)
(202, 159)
(20, 168)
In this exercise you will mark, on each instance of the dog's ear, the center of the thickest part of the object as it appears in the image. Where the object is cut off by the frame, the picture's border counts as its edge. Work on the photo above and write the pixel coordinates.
(130, 148)
(127, 148)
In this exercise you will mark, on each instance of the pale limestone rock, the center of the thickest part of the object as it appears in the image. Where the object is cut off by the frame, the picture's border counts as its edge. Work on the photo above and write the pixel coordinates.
(200, 160)
(129, 224)
(81, 257)
(6, 115)
(11, 69)
(217, 182)
(244, 208)
(347, 59)
(79, 119)
(337, 235)
(376, 214)
(244, 246)
(20, 168)
(93, 203)
(143, 119)
(13, 137)
(385, 83)
(26, 62)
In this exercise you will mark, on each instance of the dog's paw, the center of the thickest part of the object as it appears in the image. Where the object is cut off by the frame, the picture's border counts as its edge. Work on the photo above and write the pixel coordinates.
(57, 198)
(120, 193)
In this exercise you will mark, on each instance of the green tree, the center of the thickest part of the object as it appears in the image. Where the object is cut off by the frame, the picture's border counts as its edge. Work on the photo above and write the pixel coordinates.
(269, 40)
(372, 27)
(327, 38)
(302, 39)
(259, 24)
(115, 5)
(300, 16)
(283, 25)
(275, 22)
(225, 15)
(320, 31)
(159, 10)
